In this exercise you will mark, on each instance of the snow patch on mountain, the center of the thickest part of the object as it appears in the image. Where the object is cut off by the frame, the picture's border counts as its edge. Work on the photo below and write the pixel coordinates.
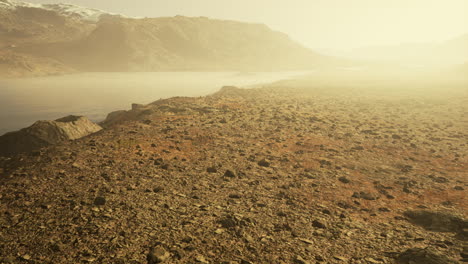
(88, 14)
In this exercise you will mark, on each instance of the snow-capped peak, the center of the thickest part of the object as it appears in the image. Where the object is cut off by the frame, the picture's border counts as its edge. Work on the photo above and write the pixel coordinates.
(88, 14)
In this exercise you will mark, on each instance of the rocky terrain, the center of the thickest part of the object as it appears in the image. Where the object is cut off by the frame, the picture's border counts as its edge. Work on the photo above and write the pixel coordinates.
(288, 173)
(78, 39)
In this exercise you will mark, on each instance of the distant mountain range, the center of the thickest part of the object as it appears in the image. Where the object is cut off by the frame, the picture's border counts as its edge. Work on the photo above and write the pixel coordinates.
(57, 38)
(453, 51)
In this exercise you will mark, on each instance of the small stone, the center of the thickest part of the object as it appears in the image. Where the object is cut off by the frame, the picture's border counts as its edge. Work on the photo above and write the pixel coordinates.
(344, 179)
(440, 180)
(211, 170)
(384, 210)
(319, 258)
(319, 224)
(158, 189)
(99, 200)
(89, 259)
(157, 255)
(371, 260)
(307, 241)
(228, 222)
(219, 231)
(201, 259)
(230, 174)
(340, 258)
(365, 196)
(300, 260)
(264, 163)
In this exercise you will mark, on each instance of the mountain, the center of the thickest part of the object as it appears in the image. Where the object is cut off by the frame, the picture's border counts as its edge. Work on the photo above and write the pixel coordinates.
(62, 9)
(92, 40)
(453, 51)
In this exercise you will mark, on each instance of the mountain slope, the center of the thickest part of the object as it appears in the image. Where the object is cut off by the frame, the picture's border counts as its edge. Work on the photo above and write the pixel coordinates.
(72, 36)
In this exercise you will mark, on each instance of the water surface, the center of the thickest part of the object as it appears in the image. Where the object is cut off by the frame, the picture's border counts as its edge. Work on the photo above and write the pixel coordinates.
(24, 101)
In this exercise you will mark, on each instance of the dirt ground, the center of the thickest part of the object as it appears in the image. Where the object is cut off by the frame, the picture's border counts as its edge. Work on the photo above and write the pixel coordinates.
(286, 173)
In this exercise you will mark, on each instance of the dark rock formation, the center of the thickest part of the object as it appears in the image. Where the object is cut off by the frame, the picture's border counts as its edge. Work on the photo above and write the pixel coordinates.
(422, 256)
(436, 221)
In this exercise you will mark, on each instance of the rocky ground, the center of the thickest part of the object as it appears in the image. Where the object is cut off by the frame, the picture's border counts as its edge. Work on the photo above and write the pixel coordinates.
(270, 175)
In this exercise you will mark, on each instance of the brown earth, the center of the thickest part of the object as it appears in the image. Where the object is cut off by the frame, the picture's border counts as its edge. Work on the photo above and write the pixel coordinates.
(288, 173)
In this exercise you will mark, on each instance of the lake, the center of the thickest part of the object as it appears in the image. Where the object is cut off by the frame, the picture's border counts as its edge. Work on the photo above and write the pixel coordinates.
(24, 101)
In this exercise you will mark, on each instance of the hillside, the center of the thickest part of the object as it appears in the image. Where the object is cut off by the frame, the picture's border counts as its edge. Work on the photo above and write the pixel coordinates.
(290, 173)
(95, 41)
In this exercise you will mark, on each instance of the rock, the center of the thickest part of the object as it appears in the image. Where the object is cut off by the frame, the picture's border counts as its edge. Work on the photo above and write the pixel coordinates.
(344, 179)
(365, 196)
(340, 258)
(319, 258)
(463, 234)
(137, 106)
(422, 256)
(211, 170)
(373, 261)
(114, 117)
(99, 200)
(300, 260)
(228, 222)
(440, 179)
(319, 224)
(230, 174)
(436, 221)
(158, 189)
(157, 255)
(235, 196)
(464, 253)
(201, 259)
(307, 241)
(264, 163)
(45, 133)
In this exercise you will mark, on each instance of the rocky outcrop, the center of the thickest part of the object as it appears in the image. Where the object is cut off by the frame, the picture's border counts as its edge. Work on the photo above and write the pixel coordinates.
(44, 133)
(437, 221)
(422, 256)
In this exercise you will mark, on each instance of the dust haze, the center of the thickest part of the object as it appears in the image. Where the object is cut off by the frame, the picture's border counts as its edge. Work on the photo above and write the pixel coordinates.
(234, 131)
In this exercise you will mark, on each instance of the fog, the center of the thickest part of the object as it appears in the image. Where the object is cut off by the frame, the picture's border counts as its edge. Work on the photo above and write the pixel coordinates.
(318, 24)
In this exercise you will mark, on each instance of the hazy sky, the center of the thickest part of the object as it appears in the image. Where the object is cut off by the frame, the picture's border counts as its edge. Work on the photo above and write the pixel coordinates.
(330, 24)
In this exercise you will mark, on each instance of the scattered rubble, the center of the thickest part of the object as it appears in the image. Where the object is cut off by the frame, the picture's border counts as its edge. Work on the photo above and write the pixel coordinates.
(268, 175)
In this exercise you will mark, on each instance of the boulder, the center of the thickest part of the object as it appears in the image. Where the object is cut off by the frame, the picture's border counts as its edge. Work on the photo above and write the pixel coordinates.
(45, 133)
(436, 221)
(422, 256)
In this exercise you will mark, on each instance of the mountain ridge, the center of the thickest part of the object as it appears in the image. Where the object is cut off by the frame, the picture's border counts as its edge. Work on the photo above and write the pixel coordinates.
(118, 43)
